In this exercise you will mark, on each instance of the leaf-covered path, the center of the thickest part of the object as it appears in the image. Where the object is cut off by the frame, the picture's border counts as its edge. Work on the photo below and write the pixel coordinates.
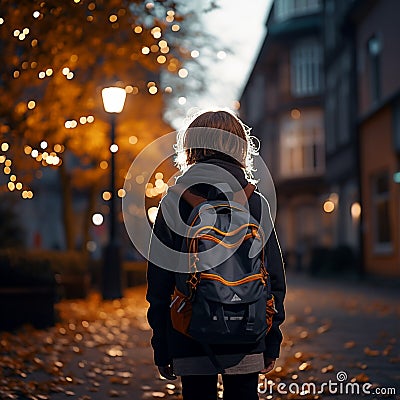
(100, 350)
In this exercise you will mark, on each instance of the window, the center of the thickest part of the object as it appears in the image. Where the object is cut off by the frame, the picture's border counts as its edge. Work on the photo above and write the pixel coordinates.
(302, 144)
(381, 209)
(396, 126)
(285, 9)
(374, 51)
(343, 107)
(331, 121)
(330, 28)
(306, 69)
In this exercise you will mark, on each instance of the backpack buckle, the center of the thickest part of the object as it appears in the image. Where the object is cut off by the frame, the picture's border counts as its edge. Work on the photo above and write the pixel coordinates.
(193, 280)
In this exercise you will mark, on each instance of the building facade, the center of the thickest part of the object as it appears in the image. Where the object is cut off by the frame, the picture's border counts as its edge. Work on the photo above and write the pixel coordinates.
(340, 103)
(283, 103)
(324, 97)
(377, 31)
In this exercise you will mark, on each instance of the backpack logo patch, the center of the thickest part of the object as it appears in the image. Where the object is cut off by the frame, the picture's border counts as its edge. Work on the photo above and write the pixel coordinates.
(236, 298)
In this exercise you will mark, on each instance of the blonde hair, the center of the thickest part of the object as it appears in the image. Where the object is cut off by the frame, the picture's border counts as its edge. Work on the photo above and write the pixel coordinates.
(208, 136)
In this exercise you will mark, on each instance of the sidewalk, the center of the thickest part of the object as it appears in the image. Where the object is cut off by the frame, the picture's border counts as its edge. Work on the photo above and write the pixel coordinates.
(100, 350)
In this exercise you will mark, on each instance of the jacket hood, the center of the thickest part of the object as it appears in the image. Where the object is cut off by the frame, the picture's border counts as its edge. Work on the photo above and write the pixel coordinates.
(222, 175)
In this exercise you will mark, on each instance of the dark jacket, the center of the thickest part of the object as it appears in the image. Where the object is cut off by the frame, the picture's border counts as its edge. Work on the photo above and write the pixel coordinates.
(167, 342)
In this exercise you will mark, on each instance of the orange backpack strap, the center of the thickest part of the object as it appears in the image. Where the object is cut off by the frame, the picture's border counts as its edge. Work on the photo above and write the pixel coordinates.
(248, 191)
(194, 200)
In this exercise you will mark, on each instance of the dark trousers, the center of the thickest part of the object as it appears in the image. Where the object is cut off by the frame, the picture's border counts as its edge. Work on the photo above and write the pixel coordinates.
(236, 387)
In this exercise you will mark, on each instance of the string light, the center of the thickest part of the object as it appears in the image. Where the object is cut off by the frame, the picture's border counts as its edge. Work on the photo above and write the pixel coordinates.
(5, 146)
(106, 196)
(27, 194)
(221, 55)
(114, 148)
(153, 90)
(133, 139)
(71, 124)
(97, 219)
(156, 32)
(165, 50)
(183, 73)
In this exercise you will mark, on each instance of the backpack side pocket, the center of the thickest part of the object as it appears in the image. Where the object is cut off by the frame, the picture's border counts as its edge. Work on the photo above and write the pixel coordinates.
(271, 311)
(181, 312)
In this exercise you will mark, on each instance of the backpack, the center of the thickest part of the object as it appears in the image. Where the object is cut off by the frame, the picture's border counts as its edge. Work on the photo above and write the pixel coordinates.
(225, 297)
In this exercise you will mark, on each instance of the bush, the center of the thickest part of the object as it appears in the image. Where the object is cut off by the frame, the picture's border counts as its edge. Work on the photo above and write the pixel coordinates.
(71, 269)
(11, 232)
(27, 290)
(40, 267)
(63, 262)
(18, 268)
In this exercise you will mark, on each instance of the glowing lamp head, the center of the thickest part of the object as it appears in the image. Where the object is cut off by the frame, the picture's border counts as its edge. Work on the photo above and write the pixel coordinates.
(113, 99)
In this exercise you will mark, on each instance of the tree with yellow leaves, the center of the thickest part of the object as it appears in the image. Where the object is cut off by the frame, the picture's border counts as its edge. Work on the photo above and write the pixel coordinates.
(56, 57)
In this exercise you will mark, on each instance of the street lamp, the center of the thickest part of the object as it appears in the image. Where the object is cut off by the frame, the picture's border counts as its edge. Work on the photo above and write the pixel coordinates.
(113, 101)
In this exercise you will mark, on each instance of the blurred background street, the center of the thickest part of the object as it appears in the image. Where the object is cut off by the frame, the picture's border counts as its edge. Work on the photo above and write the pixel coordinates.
(100, 350)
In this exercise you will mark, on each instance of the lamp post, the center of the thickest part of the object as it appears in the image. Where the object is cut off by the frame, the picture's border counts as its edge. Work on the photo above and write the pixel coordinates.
(113, 101)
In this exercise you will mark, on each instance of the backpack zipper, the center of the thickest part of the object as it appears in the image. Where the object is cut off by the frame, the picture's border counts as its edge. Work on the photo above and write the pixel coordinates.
(219, 241)
(218, 278)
